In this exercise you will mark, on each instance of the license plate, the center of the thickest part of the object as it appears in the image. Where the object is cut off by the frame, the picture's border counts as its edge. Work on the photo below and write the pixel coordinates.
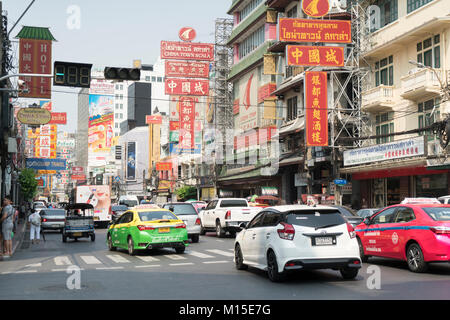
(324, 241)
(77, 234)
(56, 226)
(164, 230)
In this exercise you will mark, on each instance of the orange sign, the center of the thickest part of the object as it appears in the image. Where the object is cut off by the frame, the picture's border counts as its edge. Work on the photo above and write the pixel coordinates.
(315, 56)
(307, 30)
(315, 8)
(163, 166)
(153, 119)
(316, 105)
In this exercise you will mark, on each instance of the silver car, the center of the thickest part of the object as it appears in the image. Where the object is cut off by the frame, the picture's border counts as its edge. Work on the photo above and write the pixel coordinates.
(186, 212)
(53, 219)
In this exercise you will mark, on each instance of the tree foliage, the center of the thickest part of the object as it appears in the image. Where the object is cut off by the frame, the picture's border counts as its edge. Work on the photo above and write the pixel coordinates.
(28, 184)
(186, 193)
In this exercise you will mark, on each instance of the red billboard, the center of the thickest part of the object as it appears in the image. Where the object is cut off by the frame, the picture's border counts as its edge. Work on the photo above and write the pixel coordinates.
(316, 105)
(163, 166)
(58, 118)
(315, 56)
(187, 51)
(308, 30)
(153, 119)
(187, 123)
(35, 57)
(186, 69)
(187, 87)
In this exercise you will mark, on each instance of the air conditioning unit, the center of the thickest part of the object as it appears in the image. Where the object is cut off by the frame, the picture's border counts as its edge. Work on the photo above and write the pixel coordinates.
(434, 148)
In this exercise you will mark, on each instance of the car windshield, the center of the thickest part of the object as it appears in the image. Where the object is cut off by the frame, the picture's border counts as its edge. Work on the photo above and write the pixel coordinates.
(346, 212)
(315, 218)
(129, 203)
(119, 208)
(438, 213)
(53, 212)
(181, 209)
(156, 215)
(233, 203)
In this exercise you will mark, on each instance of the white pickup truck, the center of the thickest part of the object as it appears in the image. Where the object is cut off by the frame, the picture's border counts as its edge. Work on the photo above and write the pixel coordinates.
(222, 215)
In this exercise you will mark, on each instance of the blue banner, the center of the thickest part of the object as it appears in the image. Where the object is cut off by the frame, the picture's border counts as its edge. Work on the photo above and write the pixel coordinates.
(46, 164)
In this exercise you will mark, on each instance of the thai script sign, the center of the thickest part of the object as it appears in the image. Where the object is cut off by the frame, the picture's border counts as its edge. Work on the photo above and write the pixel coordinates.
(34, 116)
(46, 164)
(187, 51)
(392, 150)
(304, 30)
(186, 69)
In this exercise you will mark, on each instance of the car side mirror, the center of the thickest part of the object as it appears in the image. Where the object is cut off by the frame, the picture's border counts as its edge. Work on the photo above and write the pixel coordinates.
(171, 209)
(243, 225)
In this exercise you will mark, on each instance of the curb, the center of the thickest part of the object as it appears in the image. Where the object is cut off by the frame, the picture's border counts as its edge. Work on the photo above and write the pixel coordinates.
(22, 236)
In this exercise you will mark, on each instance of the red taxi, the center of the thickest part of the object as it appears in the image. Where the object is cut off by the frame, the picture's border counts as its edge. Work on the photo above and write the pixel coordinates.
(416, 231)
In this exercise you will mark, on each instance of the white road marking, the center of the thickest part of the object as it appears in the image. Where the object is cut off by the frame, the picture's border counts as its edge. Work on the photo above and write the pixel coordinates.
(181, 264)
(175, 257)
(25, 271)
(149, 266)
(63, 261)
(108, 268)
(63, 270)
(90, 260)
(117, 258)
(34, 265)
(211, 262)
(221, 252)
(199, 255)
(147, 258)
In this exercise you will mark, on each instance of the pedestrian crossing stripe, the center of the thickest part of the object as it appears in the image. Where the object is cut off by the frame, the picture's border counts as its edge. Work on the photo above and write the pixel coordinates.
(174, 257)
(221, 252)
(147, 258)
(117, 258)
(200, 255)
(62, 261)
(90, 260)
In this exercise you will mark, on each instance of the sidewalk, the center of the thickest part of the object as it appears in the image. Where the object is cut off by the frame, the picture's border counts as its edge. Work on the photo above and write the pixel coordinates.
(21, 231)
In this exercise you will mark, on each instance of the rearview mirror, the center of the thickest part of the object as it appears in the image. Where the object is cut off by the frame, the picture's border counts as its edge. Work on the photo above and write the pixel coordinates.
(243, 225)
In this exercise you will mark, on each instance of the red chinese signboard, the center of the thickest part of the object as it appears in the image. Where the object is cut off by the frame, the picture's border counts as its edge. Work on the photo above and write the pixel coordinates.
(187, 122)
(187, 51)
(174, 125)
(58, 118)
(307, 30)
(163, 166)
(187, 69)
(265, 91)
(316, 105)
(315, 56)
(188, 87)
(315, 8)
(35, 56)
(78, 177)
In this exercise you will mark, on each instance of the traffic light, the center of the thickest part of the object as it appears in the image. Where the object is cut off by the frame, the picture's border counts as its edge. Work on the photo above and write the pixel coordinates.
(70, 74)
(131, 74)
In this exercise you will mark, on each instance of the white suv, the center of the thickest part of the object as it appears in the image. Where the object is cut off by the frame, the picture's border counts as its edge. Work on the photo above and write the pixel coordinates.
(281, 239)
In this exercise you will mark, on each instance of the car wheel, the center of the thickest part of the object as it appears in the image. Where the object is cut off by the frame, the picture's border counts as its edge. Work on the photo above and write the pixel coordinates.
(110, 244)
(363, 257)
(272, 268)
(239, 259)
(64, 238)
(415, 259)
(202, 230)
(349, 273)
(92, 237)
(131, 250)
(195, 238)
(180, 250)
(233, 233)
(219, 230)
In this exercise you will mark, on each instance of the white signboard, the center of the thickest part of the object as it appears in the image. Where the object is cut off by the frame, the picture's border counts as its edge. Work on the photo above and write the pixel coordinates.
(393, 150)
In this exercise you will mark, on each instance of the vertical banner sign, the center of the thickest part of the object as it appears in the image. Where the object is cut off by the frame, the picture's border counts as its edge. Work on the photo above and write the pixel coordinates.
(187, 122)
(316, 103)
(35, 56)
(131, 161)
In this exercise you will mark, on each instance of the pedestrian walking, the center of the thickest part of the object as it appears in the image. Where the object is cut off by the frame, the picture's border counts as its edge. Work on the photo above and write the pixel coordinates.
(35, 226)
(7, 219)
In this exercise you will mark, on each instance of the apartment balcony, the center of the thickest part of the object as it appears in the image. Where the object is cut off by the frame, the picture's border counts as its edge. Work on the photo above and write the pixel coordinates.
(378, 99)
(420, 84)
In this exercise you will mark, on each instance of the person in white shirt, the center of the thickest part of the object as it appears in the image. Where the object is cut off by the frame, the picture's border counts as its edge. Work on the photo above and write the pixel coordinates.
(35, 226)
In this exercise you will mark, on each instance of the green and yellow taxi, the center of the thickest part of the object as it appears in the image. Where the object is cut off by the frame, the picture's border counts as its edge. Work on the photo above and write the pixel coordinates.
(147, 227)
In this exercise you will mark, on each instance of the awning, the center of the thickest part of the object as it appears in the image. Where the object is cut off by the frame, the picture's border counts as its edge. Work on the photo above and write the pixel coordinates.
(293, 126)
(386, 165)
(284, 87)
(291, 161)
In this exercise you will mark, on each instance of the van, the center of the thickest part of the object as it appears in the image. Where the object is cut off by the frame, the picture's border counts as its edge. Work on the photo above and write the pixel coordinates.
(129, 201)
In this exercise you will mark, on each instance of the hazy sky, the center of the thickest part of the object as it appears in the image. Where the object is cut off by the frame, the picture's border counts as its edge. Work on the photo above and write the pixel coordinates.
(112, 32)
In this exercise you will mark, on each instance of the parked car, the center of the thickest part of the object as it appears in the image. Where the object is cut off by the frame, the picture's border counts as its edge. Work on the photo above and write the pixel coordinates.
(283, 239)
(52, 219)
(116, 210)
(415, 232)
(186, 212)
(225, 215)
(349, 214)
(38, 206)
(367, 212)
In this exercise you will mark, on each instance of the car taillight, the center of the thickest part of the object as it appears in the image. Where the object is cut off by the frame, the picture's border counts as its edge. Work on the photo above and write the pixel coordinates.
(180, 226)
(198, 221)
(144, 228)
(228, 215)
(287, 233)
(351, 231)
(440, 230)
(44, 220)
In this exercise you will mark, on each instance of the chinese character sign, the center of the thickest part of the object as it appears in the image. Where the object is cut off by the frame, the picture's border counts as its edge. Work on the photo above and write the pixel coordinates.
(187, 122)
(315, 56)
(35, 57)
(316, 104)
(187, 87)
